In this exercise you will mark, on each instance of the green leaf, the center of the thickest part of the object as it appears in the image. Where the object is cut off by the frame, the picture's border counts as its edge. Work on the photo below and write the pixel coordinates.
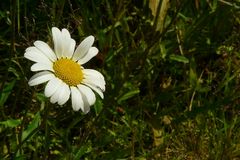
(193, 78)
(7, 89)
(41, 97)
(21, 157)
(14, 71)
(98, 106)
(32, 126)
(159, 11)
(179, 58)
(163, 50)
(83, 150)
(128, 95)
(11, 123)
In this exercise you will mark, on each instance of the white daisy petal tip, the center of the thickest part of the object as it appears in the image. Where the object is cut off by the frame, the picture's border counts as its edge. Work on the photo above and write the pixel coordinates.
(40, 78)
(55, 29)
(83, 48)
(41, 67)
(77, 101)
(91, 37)
(64, 94)
(44, 48)
(52, 86)
(92, 52)
(89, 97)
(86, 110)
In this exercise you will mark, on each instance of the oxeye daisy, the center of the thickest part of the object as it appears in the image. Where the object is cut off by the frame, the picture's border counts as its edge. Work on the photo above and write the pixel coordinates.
(62, 69)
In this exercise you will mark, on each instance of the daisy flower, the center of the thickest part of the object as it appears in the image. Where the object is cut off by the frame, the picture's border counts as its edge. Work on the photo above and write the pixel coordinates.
(62, 69)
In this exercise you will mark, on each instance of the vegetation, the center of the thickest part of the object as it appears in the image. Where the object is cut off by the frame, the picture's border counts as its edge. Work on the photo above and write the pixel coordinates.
(172, 74)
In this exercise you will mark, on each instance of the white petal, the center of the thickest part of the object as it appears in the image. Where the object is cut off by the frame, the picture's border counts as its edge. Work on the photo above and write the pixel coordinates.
(66, 34)
(83, 48)
(64, 94)
(40, 67)
(94, 79)
(54, 98)
(86, 108)
(44, 47)
(52, 86)
(93, 51)
(34, 54)
(40, 77)
(96, 89)
(71, 48)
(57, 40)
(68, 48)
(88, 95)
(77, 101)
(68, 44)
(94, 73)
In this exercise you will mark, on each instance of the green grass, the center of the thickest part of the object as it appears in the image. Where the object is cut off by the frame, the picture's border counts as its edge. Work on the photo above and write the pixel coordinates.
(172, 81)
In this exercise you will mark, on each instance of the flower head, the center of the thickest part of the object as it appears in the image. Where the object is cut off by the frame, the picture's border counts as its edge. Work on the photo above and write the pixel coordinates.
(63, 71)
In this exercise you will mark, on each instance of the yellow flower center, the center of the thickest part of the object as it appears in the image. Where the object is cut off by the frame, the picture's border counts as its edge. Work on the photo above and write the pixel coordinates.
(68, 71)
